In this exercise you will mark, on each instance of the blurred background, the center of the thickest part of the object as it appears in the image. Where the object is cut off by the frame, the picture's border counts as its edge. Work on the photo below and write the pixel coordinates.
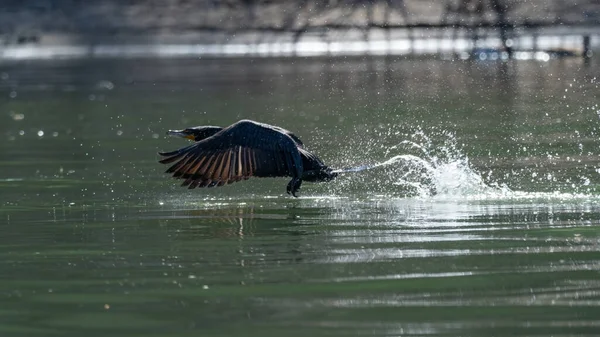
(282, 27)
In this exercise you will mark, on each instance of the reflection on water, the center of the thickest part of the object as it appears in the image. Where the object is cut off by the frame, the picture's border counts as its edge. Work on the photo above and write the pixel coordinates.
(324, 265)
(97, 240)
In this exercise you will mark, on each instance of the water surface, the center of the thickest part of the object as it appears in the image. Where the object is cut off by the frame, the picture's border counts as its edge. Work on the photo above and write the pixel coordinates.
(97, 240)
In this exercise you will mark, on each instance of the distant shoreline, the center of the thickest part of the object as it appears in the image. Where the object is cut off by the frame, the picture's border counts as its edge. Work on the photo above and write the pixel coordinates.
(560, 41)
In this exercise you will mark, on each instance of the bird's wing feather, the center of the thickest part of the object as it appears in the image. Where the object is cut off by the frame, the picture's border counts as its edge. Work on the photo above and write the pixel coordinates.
(287, 132)
(245, 149)
(294, 137)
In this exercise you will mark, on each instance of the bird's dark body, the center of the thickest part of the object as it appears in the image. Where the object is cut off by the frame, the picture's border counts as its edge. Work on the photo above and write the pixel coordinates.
(245, 149)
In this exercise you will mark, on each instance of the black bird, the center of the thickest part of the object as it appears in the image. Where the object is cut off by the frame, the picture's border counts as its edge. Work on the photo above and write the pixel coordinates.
(245, 149)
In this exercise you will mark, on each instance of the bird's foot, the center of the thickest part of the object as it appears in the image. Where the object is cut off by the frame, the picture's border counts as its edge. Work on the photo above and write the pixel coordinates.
(293, 186)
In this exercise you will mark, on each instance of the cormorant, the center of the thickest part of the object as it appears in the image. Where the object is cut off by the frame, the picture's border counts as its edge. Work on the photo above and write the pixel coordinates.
(245, 149)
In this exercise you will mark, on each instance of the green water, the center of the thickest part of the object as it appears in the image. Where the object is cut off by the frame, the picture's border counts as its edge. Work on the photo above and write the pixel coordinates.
(97, 241)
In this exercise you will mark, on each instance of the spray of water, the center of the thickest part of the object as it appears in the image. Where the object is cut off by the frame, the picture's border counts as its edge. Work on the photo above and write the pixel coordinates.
(428, 169)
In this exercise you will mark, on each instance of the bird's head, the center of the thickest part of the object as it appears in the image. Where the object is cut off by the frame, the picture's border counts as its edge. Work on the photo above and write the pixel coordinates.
(196, 133)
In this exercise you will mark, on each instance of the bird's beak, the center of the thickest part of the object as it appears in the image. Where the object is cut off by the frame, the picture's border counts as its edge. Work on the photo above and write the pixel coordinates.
(181, 134)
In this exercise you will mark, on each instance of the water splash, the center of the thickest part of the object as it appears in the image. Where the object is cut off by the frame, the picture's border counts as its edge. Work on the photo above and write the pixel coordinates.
(428, 168)
(434, 166)
(449, 169)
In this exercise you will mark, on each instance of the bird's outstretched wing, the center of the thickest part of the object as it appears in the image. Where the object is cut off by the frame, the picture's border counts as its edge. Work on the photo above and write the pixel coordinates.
(289, 133)
(243, 150)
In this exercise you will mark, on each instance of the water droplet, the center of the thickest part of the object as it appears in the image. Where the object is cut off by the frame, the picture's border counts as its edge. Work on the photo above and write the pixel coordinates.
(13, 94)
(108, 85)
(21, 133)
(119, 133)
(17, 117)
(40, 133)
